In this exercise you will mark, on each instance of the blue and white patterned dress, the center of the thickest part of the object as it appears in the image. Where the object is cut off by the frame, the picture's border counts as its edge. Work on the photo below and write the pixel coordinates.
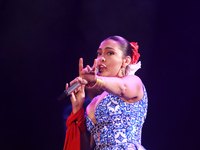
(119, 124)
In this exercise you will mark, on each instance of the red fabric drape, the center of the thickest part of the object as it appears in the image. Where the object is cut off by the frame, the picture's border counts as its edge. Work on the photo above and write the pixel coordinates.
(75, 126)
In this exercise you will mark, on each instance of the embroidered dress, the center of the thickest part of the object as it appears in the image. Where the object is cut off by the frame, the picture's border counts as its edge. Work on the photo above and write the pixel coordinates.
(119, 124)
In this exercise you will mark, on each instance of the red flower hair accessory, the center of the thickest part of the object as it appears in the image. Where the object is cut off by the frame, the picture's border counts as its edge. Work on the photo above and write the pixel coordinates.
(136, 55)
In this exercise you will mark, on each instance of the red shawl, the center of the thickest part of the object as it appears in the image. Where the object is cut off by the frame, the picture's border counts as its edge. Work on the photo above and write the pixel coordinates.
(76, 125)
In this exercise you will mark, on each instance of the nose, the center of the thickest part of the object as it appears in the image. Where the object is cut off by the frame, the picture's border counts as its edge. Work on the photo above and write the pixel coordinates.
(103, 59)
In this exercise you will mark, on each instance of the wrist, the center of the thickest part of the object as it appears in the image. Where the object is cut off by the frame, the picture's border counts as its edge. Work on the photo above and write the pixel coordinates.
(99, 84)
(75, 109)
(92, 83)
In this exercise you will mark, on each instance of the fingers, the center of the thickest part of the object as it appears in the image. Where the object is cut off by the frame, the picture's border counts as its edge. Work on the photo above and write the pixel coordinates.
(82, 88)
(94, 65)
(72, 97)
(80, 65)
(77, 79)
(66, 86)
(93, 69)
(89, 69)
(80, 80)
(84, 82)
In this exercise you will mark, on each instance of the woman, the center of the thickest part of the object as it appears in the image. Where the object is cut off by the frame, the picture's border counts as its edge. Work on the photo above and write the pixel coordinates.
(114, 118)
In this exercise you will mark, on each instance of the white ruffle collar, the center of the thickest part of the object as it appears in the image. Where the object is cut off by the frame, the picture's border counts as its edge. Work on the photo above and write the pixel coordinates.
(133, 68)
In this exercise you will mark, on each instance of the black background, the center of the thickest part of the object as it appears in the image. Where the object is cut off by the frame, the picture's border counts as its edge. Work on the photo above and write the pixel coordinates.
(42, 41)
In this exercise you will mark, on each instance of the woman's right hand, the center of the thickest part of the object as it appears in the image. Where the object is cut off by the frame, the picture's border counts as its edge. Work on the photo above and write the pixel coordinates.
(88, 73)
(78, 96)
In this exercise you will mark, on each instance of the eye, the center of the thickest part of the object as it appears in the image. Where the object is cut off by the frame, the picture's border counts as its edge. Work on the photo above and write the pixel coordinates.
(98, 54)
(110, 53)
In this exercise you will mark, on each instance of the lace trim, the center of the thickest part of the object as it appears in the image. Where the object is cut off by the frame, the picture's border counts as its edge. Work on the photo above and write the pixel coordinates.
(133, 68)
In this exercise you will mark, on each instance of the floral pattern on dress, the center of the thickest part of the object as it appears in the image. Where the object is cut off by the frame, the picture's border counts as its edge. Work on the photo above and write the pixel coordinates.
(119, 124)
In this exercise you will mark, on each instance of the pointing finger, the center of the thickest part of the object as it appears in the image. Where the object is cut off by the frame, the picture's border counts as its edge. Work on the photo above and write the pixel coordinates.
(80, 65)
(94, 65)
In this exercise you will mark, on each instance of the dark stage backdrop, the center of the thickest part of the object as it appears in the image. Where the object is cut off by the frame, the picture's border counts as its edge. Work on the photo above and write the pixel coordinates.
(42, 41)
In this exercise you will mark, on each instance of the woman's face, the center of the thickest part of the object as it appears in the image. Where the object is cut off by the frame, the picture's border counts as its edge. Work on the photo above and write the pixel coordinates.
(109, 58)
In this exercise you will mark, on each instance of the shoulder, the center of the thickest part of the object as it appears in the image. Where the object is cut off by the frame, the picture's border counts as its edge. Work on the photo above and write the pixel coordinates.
(132, 76)
(133, 79)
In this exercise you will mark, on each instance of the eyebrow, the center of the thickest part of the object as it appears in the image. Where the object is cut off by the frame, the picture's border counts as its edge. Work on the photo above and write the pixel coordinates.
(107, 48)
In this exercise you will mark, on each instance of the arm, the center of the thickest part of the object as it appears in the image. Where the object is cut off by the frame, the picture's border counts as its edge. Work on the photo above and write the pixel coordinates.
(127, 87)
(77, 100)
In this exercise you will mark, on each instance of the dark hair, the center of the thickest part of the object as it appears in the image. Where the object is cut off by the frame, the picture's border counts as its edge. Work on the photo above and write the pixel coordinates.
(124, 45)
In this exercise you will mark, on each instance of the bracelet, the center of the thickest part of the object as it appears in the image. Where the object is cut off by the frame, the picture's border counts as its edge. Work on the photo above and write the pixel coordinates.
(98, 85)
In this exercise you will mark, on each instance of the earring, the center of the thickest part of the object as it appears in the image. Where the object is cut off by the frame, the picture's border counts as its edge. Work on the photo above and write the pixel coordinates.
(123, 72)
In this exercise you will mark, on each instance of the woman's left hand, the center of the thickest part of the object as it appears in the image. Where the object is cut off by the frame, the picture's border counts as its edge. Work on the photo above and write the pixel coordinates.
(88, 73)
(77, 97)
